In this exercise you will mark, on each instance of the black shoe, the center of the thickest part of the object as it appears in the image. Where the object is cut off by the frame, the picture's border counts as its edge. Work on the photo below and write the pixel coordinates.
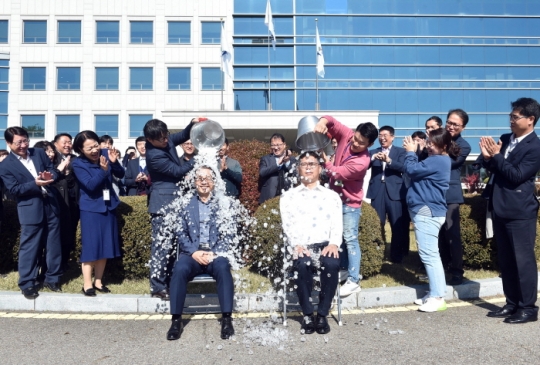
(456, 280)
(322, 326)
(504, 312)
(308, 325)
(163, 294)
(227, 329)
(103, 288)
(52, 287)
(89, 292)
(30, 293)
(176, 330)
(522, 317)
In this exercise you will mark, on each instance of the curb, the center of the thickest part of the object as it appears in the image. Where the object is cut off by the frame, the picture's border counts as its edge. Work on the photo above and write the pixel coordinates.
(197, 303)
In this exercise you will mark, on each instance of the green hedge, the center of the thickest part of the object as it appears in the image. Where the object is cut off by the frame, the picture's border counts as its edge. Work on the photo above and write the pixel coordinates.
(265, 253)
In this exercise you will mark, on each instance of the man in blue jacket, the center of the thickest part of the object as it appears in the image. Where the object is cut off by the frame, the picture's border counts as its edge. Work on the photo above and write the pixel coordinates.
(27, 174)
(166, 170)
(201, 250)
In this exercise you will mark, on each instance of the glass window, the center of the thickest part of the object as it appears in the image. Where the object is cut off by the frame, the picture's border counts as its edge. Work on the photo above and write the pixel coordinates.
(305, 99)
(179, 32)
(179, 78)
(406, 100)
(33, 78)
(35, 31)
(474, 100)
(107, 31)
(4, 102)
(518, 55)
(259, 6)
(451, 99)
(3, 31)
(107, 78)
(142, 32)
(497, 101)
(136, 124)
(211, 78)
(259, 55)
(107, 124)
(211, 32)
(429, 101)
(4, 78)
(68, 78)
(69, 31)
(141, 78)
(256, 26)
(3, 126)
(473, 55)
(68, 124)
(34, 124)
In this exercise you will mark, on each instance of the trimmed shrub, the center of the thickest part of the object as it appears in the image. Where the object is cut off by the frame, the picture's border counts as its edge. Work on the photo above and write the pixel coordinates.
(10, 235)
(249, 153)
(265, 253)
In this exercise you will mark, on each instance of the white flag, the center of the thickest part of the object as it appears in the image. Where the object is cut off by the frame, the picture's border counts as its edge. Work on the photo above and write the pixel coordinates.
(270, 24)
(320, 56)
(226, 54)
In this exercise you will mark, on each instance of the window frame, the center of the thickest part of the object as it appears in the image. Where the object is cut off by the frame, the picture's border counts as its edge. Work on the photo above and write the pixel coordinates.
(113, 135)
(168, 32)
(140, 21)
(34, 115)
(22, 78)
(202, 32)
(68, 21)
(67, 115)
(96, 78)
(109, 21)
(25, 21)
(140, 67)
(221, 78)
(57, 78)
(7, 31)
(168, 78)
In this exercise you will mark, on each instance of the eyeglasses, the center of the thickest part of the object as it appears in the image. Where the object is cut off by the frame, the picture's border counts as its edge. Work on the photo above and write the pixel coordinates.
(515, 118)
(90, 149)
(164, 138)
(204, 179)
(187, 144)
(453, 125)
(21, 142)
(276, 145)
(308, 164)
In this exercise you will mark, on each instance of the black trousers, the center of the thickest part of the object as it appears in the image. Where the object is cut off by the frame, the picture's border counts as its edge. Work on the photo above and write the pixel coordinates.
(515, 244)
(450, 245)
(329, 268)
(162, 255)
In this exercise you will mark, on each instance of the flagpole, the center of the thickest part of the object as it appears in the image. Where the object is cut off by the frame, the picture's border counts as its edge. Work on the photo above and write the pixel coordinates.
(317, 73)
(222, 73)
(269, 99)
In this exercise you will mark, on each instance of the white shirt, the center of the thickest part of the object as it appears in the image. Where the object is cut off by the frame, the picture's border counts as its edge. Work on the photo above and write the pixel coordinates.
(142, 162)
(29, 164)
(311, 216)
(513, 143)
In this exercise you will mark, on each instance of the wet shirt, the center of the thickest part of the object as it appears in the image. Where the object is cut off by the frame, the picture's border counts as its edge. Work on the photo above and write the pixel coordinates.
(311, 216)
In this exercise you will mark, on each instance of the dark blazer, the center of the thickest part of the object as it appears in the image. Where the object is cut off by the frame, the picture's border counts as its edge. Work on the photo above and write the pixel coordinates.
(67, 182)
(232, 177)
(512, 193)
(269, 173)
(166, 170)
(454, 195)
(132, 170)
(392, 174)
(189, 235)
(92, 180)
(22, 185)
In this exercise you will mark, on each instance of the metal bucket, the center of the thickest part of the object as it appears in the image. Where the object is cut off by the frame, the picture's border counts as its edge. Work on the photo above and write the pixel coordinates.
(307, 139)
(207, 134)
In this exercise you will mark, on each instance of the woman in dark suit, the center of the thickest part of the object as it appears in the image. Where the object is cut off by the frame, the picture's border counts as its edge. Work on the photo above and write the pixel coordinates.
(94, 170)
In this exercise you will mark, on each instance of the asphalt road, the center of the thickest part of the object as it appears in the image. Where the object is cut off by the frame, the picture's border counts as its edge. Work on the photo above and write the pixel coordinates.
(460, 335)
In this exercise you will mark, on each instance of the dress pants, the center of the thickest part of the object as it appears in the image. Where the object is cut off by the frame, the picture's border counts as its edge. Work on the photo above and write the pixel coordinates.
(186, 268)
(515, 248)
(34, 239)
(161, 255)
(329, 267)
(398, 217)
(450, 245)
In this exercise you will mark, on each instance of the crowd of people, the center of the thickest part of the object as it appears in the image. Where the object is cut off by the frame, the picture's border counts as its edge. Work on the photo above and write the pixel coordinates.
(61, 183)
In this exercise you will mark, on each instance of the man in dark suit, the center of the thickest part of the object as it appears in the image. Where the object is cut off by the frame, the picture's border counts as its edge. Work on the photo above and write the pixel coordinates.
(230, 171)
(514, 163)
(166, 170)
(387, 192)
(274, 169)
(450, 245)
(26, 173)
(137, 177)
(201, 250)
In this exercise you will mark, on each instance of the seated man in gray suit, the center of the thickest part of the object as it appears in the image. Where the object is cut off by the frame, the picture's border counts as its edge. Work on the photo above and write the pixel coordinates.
(274, 169)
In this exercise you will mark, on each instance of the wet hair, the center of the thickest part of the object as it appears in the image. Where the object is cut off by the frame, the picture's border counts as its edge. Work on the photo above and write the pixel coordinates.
(419, 134)
(527, 107)
(140, 139)
(436, 119)
(106, 139)
(278, 136)
(10, 132)
(44, 145)
(60, 135)
(390, 130)
(462, 114)
(306, 154)
(155, 129)
(443, 140)
(368, 130)
(226, 143)
(82, 137)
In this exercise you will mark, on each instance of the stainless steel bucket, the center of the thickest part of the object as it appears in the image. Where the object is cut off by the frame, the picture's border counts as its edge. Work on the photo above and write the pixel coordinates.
(307, 139)
(207, 134)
